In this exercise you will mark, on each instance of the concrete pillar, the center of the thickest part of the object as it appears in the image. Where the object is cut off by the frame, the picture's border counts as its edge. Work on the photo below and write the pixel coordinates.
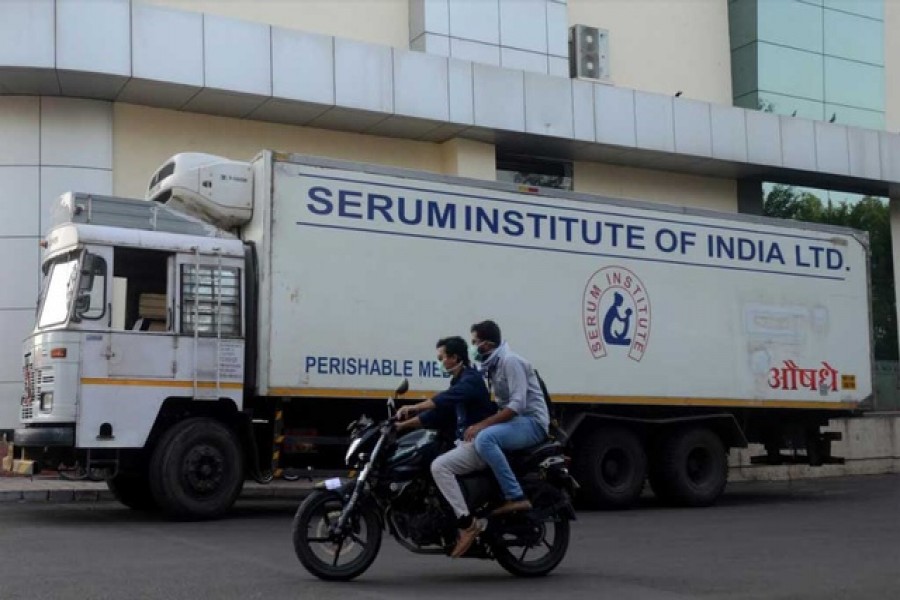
(750, 196)
(48, 146)
(467, 158)
(895, 246)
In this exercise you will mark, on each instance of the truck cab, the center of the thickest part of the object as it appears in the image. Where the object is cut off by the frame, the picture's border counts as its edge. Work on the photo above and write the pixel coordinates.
(142, 311)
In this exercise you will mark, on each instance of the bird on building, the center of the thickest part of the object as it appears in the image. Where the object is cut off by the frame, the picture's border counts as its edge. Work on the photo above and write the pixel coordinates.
(678, 93)
(833, 118)
(794, 114)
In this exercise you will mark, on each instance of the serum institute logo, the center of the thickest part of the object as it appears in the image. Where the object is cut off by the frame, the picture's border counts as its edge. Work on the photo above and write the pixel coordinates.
(615, 312)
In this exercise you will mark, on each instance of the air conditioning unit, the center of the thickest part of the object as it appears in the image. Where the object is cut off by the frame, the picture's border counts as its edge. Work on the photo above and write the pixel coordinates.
(213, 188)
(588, 53)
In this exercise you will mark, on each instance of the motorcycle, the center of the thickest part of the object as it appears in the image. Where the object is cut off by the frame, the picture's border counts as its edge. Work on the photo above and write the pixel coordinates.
(337, 530)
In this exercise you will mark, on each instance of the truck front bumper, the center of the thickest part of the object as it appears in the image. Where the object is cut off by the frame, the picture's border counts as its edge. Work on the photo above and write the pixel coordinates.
(43, 437)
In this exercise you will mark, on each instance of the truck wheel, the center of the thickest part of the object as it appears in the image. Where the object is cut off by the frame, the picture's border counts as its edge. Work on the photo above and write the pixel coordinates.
(611, 467)
(132, 489)
(197, 470)
(692, 468)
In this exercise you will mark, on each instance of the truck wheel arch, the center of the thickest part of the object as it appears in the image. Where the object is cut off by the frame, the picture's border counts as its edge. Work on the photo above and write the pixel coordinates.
(177, 409)
(724, 424)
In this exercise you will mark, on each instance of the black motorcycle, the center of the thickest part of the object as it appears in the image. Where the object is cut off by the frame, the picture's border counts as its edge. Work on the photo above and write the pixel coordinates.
(337, 529)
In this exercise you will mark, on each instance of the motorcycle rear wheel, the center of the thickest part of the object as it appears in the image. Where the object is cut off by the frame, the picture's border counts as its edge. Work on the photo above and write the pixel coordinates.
(322, 552)
(515, 558)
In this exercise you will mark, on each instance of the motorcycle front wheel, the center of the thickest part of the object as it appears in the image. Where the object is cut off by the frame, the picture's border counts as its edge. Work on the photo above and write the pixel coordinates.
(330, 554)
(538, 552)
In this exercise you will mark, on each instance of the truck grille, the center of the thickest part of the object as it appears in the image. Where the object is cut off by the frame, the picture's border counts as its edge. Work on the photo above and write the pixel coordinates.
(32, 381)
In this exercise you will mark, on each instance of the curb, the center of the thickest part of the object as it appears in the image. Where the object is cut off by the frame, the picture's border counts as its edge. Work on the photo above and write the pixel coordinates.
(100, 493)
(55, 496)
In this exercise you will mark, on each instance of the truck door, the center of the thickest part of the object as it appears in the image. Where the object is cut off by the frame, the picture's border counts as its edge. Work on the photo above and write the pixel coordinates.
(142, 340)
(208, 308)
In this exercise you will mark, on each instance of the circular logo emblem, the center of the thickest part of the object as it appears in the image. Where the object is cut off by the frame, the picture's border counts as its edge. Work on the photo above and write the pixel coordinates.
(615, 313)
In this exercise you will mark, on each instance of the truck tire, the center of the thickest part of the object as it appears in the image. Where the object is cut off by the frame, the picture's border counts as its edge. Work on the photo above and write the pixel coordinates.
(692, 469)
(196, 471)
(611, 466)
(132, 489)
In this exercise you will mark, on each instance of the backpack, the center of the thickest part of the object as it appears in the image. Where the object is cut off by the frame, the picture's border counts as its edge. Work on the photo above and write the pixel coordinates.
(555, 431)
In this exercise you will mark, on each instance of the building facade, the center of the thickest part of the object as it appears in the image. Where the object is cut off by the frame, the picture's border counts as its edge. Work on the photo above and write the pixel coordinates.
(810, 59)
(96, 94)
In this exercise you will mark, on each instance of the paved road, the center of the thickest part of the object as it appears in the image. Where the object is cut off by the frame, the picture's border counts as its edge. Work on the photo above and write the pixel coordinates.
(817, 539)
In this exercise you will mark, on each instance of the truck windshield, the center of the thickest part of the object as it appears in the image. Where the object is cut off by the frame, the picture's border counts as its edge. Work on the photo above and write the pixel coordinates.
(59, 289)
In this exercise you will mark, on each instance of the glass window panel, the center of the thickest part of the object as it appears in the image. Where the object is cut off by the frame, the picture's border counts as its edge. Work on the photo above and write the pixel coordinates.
(790, 72)
(90, 302)
(853, 37)
(59, 292)
(857, 117)
(789, 105)
(854, 84)
(874, 9)
(790, 23)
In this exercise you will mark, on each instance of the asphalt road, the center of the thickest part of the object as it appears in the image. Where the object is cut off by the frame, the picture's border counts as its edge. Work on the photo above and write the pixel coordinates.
(816, 539)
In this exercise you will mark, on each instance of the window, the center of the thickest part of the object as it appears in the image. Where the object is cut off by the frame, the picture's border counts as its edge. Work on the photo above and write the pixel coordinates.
(140, 290)
(211, 300)
(541, 172)
(91, 301)
(59, 289)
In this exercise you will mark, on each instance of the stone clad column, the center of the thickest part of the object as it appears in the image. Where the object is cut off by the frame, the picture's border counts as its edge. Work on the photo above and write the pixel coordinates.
(50, 145)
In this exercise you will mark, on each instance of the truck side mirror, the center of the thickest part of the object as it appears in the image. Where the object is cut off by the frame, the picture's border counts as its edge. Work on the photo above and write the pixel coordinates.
(88, 270)
(82, 303)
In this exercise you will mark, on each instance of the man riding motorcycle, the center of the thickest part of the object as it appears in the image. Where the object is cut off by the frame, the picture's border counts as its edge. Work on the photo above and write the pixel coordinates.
(470, 400)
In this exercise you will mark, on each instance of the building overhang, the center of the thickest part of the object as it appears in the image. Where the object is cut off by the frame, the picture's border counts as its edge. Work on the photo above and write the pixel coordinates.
(147, 55)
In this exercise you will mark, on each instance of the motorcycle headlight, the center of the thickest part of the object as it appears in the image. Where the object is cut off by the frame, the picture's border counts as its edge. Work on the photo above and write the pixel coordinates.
(354, 446)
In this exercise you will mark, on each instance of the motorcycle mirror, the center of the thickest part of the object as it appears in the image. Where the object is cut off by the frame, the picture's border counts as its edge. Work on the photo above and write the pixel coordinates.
(402, 388)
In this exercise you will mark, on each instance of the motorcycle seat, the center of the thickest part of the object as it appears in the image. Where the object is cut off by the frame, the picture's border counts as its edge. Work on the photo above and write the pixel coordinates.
(533, 454)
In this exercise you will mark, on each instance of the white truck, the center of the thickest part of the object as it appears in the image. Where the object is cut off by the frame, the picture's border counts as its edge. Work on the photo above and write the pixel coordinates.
(232, 323)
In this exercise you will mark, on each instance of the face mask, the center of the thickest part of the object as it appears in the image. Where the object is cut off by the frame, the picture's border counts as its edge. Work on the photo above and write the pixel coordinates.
(474, 354)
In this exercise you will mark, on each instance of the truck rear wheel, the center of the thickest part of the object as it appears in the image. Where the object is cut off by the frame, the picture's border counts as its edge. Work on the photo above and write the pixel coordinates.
(197, 470)
(692, 468)
(611, 467)
(132, 489)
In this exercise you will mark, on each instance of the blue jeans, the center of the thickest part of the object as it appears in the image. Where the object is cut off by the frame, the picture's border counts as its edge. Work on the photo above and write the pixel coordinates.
(517, 433)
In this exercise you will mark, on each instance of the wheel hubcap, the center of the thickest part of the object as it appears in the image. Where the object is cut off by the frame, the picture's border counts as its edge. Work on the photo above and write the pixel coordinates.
(615, 467)
(699, 465)
(204, 468)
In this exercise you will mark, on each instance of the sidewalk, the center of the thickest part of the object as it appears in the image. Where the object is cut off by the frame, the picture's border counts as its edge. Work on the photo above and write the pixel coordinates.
(51, 488)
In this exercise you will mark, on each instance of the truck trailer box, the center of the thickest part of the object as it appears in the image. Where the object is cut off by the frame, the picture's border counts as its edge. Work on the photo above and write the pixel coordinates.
(363, 269)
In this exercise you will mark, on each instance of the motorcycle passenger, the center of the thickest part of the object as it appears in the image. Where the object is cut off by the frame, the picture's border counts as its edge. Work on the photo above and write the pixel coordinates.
(470, 398)
(523, 418)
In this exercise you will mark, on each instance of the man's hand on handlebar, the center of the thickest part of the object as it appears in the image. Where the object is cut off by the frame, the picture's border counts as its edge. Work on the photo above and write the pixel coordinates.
(407, 412)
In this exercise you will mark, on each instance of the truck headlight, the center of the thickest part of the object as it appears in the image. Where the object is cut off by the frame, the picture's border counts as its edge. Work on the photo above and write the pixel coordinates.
(46, 401)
